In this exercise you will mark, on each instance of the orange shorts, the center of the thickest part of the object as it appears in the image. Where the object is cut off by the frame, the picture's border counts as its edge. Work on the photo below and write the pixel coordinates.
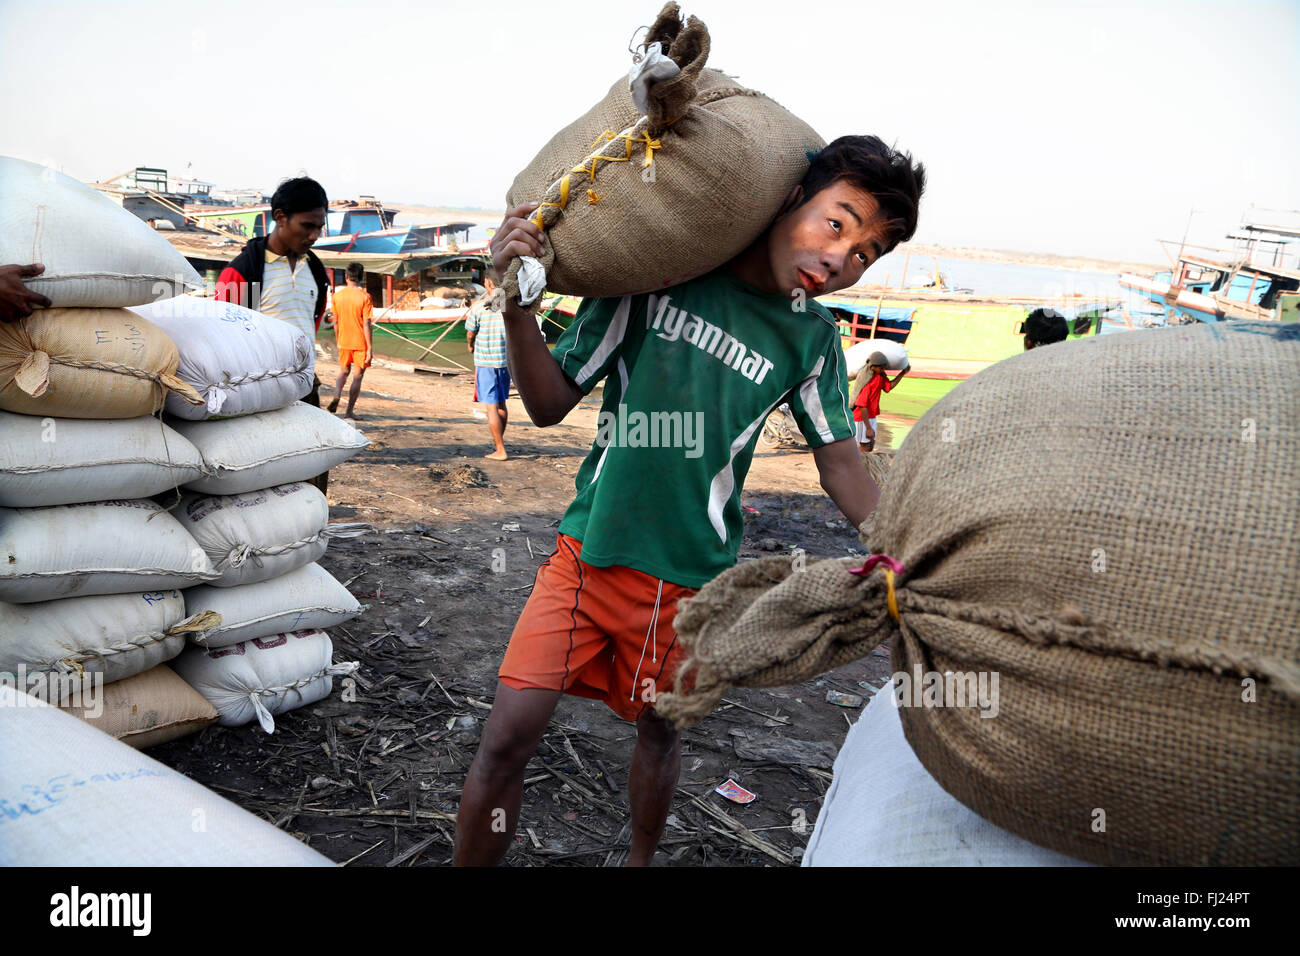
(603, 633)
(355, 357)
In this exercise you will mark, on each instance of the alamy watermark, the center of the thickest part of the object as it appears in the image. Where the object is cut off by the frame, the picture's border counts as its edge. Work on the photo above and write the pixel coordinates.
(977, 689)
(66, 690)
(638, 429)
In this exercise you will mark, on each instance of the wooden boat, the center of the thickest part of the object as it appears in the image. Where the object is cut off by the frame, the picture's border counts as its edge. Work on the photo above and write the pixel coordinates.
(1258, 279)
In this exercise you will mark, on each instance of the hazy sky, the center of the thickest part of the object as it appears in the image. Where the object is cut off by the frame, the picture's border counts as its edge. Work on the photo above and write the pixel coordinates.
(1070, 127)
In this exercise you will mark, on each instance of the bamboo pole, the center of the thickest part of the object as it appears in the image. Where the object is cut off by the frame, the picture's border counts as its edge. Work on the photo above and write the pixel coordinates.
(399, 335)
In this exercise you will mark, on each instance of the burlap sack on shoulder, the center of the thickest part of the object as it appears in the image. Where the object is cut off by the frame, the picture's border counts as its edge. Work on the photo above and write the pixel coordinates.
(1110, 527)
(633, 203)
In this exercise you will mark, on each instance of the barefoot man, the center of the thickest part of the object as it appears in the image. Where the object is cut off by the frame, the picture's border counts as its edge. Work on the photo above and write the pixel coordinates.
(354, 329)
(485, 333)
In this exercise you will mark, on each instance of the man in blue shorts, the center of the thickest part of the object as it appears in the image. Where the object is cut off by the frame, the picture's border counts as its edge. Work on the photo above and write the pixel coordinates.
(485, 332)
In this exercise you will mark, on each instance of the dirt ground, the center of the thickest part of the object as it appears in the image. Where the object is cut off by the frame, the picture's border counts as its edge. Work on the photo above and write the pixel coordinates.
(376, 780)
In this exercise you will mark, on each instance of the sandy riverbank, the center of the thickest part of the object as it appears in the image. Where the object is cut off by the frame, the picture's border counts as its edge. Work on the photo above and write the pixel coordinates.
(457, 542)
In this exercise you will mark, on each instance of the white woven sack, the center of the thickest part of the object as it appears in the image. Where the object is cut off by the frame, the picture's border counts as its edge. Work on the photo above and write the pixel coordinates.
(239, 360)
(71, 795)
(884, 809)
(95, 252)
(114, 635)
(257, 535)
(60, 461)
(304, 599)
(107, 547)
(270, 448)
(856, 355)
(264, 677)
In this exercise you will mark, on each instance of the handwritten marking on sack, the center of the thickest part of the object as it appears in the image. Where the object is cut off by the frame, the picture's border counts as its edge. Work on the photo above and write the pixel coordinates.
(39, 797)
(130, 335)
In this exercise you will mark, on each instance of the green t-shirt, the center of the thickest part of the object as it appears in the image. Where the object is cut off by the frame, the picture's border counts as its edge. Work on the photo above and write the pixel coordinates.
(691, 375)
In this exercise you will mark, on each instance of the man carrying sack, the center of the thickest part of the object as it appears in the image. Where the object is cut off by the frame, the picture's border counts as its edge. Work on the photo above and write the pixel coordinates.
(690, 374)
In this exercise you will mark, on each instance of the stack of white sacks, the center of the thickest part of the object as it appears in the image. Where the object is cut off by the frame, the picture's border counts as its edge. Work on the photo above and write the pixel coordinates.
(123, 538)
(253, 513)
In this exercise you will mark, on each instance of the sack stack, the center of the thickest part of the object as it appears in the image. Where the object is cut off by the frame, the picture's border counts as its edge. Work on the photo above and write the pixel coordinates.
(91, 568)
(89, 565)
(252, 512)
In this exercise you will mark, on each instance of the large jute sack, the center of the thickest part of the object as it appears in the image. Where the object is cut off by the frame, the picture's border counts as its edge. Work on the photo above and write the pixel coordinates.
(72, 796)
(308, 598)
(147, 709)
(95, 252)
(264, 677)
(105, 547)
(270, 448)
(108, 637)
(884, 809)
(62, 461)
(239, 360)
(1074, 521)
(259, 535)
(640, 197)
(88, 363)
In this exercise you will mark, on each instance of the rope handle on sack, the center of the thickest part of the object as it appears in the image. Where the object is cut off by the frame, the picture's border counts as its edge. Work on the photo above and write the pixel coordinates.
(590, 164)
(164, 380)
(241, 554)
(238, 555)
(199, 623)
(892, 566)
(264, 716)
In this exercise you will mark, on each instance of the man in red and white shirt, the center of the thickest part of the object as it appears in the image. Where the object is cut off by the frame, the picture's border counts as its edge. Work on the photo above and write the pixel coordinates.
(279, 275)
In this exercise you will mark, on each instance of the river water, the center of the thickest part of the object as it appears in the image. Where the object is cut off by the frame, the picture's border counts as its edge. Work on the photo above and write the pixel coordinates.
(901, 408)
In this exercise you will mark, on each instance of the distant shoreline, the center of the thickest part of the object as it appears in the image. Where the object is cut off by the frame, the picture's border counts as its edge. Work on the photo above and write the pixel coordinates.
(1044, 260)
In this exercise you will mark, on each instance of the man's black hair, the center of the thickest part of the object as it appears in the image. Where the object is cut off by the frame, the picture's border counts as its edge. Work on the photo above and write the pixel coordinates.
(892, 178)
(356, 271)
(299, 195)
(1045, 326)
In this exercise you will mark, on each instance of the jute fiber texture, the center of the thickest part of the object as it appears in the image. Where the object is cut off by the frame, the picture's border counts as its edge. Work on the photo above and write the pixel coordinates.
(634, 203)
(87, 363)
(1109, 526)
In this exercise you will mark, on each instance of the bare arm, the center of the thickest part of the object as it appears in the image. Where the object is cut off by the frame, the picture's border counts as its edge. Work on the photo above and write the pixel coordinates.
(547, 393)
(900, 375)
(16, 300)
(845, 480)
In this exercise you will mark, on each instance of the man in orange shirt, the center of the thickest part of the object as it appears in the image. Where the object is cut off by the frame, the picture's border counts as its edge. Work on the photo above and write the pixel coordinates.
(353, 328)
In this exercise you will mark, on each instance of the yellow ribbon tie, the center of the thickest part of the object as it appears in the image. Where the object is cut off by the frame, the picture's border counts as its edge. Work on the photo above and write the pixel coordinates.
(890, 596)
(564, 201)
(592, 163)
